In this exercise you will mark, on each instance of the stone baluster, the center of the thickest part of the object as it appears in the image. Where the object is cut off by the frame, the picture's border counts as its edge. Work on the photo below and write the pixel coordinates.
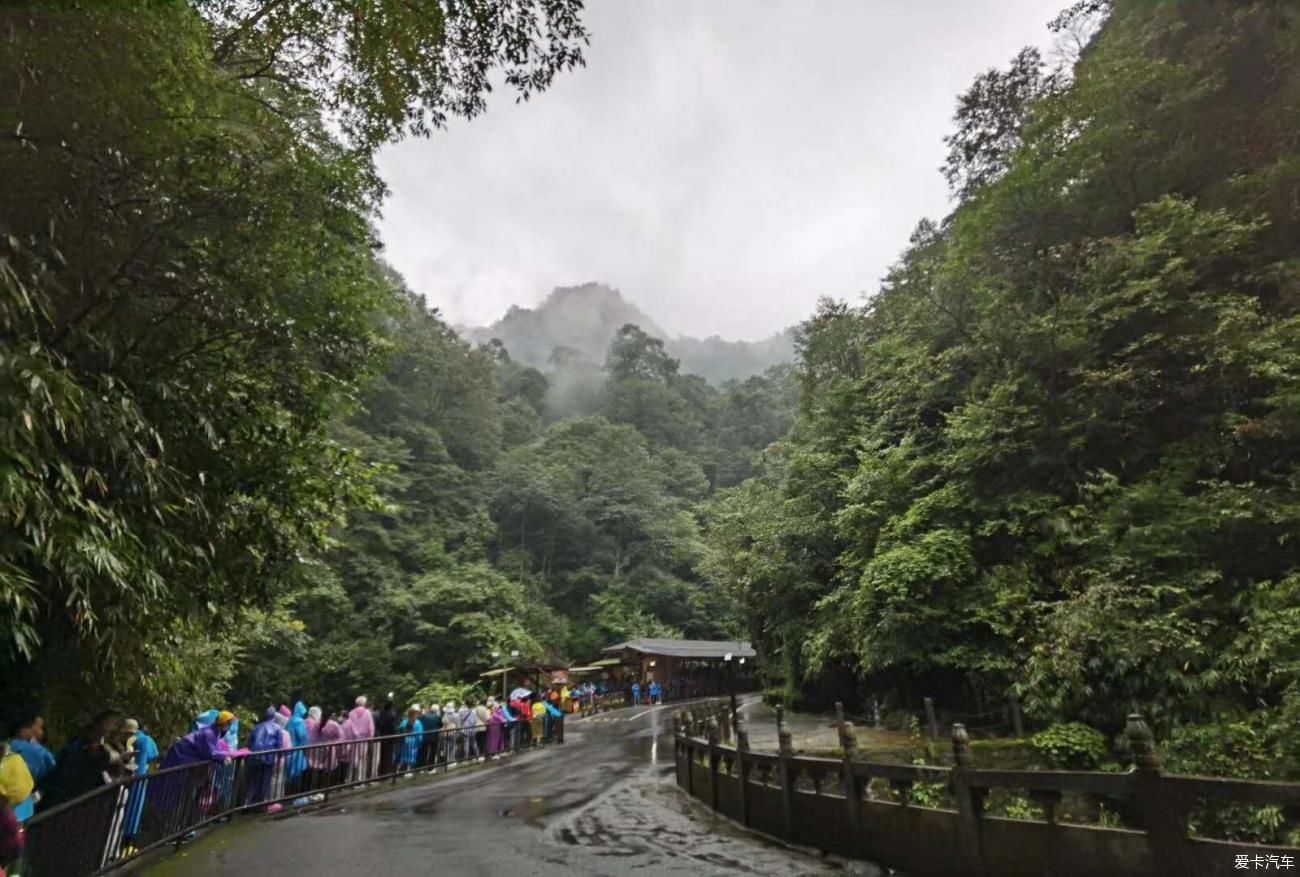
(742, 768)
(785, 771)
(689, 723)
(714, 758)
(848, 778)
(1141, 743)
(784, 740)
(970, 803)
(1017, 719)
(961, 753)
(1162, 815)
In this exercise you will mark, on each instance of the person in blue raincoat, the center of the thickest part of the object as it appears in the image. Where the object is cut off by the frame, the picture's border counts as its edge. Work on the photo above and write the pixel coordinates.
(432, 722)
(413, 728)
(297, 762)
(264, 743)
(552, 713)
(28, 733)
(142, 751)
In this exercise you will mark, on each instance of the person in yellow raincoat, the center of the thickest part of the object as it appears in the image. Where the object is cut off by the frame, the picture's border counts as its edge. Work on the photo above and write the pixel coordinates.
(16, 781)
(16, 785)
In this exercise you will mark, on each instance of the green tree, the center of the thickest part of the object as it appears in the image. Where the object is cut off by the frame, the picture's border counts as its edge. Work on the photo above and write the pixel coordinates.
(1055, 453)
(190, 300)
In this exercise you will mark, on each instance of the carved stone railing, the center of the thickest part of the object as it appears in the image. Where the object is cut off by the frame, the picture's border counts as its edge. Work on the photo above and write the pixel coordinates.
(873, 811)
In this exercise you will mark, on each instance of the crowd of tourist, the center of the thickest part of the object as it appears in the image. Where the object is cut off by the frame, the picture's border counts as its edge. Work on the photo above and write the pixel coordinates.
(287, 757)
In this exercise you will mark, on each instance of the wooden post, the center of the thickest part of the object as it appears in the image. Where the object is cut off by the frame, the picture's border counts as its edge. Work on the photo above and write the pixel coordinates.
(931, 720)
(970, 804)
(1163, 819)
(1017, 720)
(785, 771)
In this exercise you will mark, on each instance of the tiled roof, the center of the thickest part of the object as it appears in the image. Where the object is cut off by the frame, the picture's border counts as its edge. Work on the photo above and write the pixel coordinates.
(684, 648)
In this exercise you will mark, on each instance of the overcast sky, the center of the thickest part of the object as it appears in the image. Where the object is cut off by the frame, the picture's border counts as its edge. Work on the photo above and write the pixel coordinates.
(724, 163)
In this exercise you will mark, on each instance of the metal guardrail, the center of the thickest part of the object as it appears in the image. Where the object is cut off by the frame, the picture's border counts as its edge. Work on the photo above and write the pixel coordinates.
(116, 823)
(672, 693)
(599, 703)
(926, 820)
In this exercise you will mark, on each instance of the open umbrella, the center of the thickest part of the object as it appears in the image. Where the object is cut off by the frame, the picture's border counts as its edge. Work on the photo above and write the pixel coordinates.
(519, 693)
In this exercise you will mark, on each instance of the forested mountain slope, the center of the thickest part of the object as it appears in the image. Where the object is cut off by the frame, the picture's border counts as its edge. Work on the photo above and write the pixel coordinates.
(1058, 454)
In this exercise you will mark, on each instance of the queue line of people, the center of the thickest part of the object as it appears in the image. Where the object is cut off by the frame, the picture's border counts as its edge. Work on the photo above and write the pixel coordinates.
(288, 757)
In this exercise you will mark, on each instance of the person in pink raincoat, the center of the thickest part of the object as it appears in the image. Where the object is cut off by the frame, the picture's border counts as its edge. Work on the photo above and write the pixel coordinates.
(495, 732)
(313, 726)
(326, 759)
(363, 728)
(346, 753)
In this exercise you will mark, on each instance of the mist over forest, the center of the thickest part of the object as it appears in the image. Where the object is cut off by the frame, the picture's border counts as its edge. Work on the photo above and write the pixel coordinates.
(575, 325)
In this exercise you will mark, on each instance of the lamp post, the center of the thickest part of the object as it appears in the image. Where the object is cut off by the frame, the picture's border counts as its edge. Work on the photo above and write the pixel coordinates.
(505, 671)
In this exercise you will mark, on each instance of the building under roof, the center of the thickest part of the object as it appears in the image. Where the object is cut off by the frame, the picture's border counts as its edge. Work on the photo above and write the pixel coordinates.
(666, 660)
(698, 649)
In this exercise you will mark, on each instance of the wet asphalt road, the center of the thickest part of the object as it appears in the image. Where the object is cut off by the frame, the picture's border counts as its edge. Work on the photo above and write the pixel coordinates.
(603, 803)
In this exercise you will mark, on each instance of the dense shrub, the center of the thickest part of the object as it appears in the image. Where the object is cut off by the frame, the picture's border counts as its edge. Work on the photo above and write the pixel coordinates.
(1071, 745)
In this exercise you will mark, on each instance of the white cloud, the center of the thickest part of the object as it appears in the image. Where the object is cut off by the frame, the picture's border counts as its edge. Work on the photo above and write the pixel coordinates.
(724, 163)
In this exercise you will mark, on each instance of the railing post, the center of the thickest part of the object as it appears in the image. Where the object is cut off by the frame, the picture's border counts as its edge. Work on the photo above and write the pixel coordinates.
(742, 769)
(852, 791)
(970, 803)
(678, 748)
(1163, 819)
(687, 725)
(785, 770)
(713, 762)
(931, 720)
(1017, 720)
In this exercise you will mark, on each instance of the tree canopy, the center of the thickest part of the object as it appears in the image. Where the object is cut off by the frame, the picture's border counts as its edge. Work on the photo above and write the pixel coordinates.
(1055, 454)
(191, 302)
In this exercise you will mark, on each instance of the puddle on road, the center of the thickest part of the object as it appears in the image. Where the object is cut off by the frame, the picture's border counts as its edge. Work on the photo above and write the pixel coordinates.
(646, 822)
